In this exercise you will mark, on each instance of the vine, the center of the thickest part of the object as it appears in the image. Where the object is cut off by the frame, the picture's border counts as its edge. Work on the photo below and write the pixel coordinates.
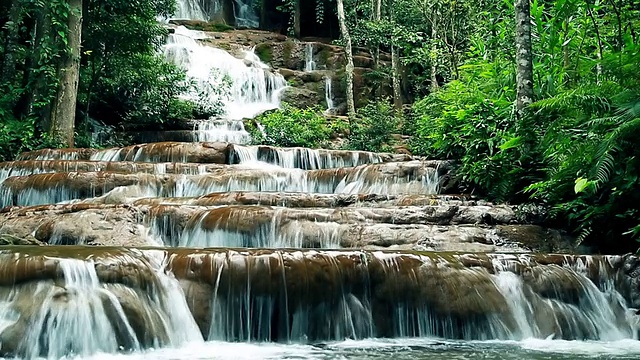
(289, 7)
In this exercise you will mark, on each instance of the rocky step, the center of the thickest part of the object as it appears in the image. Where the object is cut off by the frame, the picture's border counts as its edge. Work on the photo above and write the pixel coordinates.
(151, 136)
(221, 153)
(442, 228)
(288, 295)
(32, 167)
(308, 200)
(412, 177)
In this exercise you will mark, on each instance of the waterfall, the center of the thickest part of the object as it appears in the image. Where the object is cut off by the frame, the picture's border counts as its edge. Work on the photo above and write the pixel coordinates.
(245, 13)
(191, 10)
(231, 131)
(309, 63)
(328, 93)
(243, 88)
(110, 300)
(82, 314)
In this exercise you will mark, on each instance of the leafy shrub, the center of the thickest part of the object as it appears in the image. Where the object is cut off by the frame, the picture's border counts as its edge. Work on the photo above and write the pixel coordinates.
(290, 126)
(592, 161)
(373, 127)
(138, 89)
(459, 122)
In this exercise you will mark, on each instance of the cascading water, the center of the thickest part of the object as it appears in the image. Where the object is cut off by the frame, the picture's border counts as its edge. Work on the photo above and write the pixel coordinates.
(192, 10)
(83, 314)
(309, 63)
(231, 131)
(245, 13)
(119, 302)
(328, 93)
(128, 299)
(243, 88)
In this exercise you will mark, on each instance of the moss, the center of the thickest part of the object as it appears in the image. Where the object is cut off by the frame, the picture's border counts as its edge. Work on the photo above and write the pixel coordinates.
(264, 52)
(295, 82)
(203, 25)
(287, 50)
(323, 57)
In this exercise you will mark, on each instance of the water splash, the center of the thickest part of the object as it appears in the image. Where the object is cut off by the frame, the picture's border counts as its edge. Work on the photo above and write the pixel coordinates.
(328, 94)
(302, 158)
(231, 131)
(192, 10)
(272, 228)
(309, 63)
(83, 315)
(245, 13)
(242, 87)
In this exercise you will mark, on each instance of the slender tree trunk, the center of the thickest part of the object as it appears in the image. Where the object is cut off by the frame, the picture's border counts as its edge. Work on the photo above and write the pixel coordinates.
(263, 15)
(395, 66)
(8, 66)
(434, 52)
(63, 112)
(351, 108)
(599, 41)
(565, 46)
(619, 35)
(377, 11)
(297, 19)
(524, 57)
(31, 102)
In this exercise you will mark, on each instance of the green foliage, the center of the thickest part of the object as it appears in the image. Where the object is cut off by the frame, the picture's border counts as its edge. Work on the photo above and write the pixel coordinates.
(593, 159)
(462, 122)
(373, 127)
(122, 77)
(133, 91)
(290, 126)
(125, 80)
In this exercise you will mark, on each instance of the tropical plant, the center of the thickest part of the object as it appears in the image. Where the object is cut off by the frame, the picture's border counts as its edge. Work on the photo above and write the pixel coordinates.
(291, 126)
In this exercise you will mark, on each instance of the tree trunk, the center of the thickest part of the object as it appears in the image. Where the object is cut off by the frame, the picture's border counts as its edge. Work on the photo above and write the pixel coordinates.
(35, 83)
(395, 66)
(63, 112)
(599, 41)
(8, 66)
(377, 12)
(297, 19)
(351, 108)
(395, 63)
(524, 57)
(434, 52)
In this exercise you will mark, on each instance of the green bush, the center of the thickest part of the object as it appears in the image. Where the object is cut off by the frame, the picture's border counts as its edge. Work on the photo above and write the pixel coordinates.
(459, 122)
(290, 126)
(138, 89)
(592, 161)
(373, 127)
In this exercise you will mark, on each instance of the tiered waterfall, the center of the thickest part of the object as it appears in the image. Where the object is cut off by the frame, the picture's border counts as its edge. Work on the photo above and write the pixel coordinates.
(181, 244)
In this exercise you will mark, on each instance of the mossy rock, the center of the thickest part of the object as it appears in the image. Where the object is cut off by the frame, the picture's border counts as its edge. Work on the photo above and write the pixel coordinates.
(6, 239)
(203, 25)
(264, 52)
(287, 50)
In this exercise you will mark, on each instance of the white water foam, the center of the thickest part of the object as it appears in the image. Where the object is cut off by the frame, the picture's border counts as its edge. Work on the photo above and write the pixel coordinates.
(231, 131)
(309, 63)
(253, 88)
(328, 94)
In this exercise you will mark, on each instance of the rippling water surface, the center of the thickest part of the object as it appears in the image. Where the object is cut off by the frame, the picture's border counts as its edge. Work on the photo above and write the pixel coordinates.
(398, 349)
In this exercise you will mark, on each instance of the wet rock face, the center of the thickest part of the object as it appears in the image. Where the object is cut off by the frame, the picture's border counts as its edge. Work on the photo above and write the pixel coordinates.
(442, 227)
(631, 270)
(108, 226)
(288, 295)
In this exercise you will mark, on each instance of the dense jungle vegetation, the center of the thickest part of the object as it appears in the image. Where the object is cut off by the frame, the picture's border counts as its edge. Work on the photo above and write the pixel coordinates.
(544, 112)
